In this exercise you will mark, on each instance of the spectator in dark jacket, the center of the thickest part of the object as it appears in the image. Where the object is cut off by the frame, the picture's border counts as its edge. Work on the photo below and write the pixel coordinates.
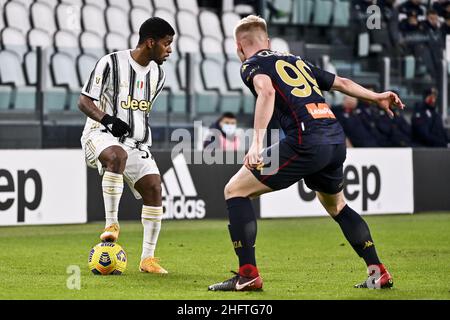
(356, 131)
(433, 51)
(427, 124)
(442, 7)
(397, 129)
(412, 5)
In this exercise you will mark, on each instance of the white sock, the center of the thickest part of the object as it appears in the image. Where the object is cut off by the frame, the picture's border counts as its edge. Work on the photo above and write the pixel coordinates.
(151, 220)
(112, 185)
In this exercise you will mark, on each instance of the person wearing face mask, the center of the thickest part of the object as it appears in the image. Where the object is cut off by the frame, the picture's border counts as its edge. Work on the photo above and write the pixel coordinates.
(223, 133)
(427, 125)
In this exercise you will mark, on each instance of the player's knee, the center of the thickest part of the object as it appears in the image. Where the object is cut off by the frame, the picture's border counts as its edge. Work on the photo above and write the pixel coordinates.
(117, 160)
(154, 189)
(335, 208)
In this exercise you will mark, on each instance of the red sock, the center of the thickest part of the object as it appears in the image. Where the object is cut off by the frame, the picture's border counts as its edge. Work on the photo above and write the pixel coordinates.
(380, 266)
(249, 271)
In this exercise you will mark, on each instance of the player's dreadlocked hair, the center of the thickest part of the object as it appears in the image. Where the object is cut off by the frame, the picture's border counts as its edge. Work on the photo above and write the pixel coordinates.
(250, 23)
(155, 28)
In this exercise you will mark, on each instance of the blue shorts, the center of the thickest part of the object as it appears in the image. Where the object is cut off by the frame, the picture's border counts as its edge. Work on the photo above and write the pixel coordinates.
(321, 166)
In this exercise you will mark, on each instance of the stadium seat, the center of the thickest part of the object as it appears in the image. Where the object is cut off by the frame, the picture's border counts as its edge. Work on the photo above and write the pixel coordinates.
(205, 101)
(93, 20)
(212, 49)
(189, 24)
(210, 25)
(42, 17)
(133, 40)
(143, 4)
(54, 97)
(51, 3)
(229, 46)
(187, 44)
(98, 3)
(68, 18)
(115, 42)
(92, 44)
(14, 40)
(285, 6)
(20, 96)
(26, 3)
(279, 44)
(341, 13)
(302, 11)
(172, 94)
(39, 38)
(168, 5)
(16, 16)
(123, 5)
(85, 65)
(322, 12)
(137, 17)
(168, 16)
(117, 21)
(188, 5)
(78, 3)
(214, 79)
(229, 21)
(410, 67)
(234, 81)
(67, 42)
(64, 74)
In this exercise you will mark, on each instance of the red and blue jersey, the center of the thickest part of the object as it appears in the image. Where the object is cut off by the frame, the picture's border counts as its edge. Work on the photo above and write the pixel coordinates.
(300, 106)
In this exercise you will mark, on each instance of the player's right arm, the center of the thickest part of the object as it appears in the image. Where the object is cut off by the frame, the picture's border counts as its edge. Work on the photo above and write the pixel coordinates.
(384, 100)
(92, 90)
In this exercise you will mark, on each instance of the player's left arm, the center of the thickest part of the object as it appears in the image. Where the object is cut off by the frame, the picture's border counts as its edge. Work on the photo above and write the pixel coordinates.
(384, 100)
(265, 103)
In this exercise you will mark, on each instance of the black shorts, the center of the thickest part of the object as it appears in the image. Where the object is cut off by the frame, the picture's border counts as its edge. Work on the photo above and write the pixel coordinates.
(321, 166)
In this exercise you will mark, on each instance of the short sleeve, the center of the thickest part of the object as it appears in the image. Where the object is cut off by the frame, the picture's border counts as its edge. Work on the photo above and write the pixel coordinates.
(249, 70)
(324, 78)
(94, 86)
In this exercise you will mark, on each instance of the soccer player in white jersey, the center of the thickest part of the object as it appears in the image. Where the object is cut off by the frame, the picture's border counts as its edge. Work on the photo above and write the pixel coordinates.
(117, 99)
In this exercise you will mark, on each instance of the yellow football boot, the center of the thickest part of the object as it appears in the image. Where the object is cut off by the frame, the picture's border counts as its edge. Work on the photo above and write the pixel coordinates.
(151, 265)
(111, 233)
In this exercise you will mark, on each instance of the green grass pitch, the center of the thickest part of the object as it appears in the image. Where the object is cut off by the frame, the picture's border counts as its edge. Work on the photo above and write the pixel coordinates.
(299, 259)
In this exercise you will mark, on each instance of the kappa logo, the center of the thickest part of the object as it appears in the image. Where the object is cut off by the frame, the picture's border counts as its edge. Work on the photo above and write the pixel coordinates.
(180, 199)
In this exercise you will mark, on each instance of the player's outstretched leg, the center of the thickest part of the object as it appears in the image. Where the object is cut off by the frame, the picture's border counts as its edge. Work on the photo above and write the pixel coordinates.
(150, 188)
(242, 228)
(357, 233)
(114, 160)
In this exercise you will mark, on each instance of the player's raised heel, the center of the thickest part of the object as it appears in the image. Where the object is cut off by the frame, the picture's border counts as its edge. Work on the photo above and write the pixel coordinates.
(238, 283)
(151, 265)
(111, 233)
(384, 281)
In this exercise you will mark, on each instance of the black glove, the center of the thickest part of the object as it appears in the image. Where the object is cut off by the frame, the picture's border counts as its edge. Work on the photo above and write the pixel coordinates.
(118, 127)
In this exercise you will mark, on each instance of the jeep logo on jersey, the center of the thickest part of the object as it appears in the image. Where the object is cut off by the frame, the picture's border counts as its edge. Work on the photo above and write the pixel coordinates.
(180, 200)
(134, 104)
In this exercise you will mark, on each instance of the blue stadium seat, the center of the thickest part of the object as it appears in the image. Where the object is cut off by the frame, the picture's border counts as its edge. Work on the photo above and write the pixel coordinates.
(341, 13)
(19, 95)
(322, 12)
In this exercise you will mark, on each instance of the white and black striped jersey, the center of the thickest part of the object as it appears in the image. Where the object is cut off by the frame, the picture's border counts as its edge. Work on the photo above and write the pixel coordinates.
(123, 88)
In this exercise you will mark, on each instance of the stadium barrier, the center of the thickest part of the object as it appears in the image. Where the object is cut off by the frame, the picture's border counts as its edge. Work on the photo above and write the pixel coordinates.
(54, 187)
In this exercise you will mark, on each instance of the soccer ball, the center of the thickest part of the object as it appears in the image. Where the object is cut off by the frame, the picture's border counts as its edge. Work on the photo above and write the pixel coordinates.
(107, 258)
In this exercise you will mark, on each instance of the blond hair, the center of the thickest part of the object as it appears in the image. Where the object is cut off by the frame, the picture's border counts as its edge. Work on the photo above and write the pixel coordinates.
(250, 23)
